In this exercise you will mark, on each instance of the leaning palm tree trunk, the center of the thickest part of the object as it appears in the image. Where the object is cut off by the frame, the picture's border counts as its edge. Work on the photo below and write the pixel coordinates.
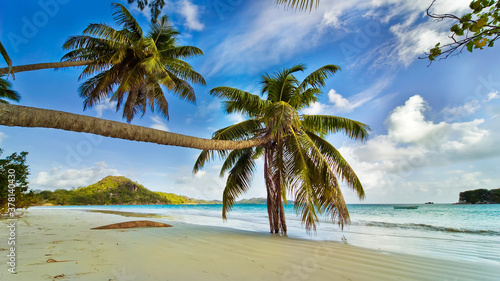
(275, 209)
(37, 66)
(22, 116)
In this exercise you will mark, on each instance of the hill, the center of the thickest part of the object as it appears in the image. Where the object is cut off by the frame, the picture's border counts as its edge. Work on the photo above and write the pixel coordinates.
(112, 190)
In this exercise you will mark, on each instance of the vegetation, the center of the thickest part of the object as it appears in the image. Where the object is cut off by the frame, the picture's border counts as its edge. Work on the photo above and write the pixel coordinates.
(6, 91)
(138, 66)
(155, 7)
(298, 160)
(14, 182)
(133, 65)
(113, 190)
(474, 30)
(480, 196)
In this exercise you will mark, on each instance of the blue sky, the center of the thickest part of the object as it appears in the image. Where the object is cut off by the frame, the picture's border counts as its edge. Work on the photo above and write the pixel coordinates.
(435, 128)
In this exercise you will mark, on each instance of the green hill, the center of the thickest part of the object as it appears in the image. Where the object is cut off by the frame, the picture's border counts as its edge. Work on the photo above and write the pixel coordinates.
(112, 190)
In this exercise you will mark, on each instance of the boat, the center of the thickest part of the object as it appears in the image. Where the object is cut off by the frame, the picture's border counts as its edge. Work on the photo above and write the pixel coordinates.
(429, 202)
(405, 207)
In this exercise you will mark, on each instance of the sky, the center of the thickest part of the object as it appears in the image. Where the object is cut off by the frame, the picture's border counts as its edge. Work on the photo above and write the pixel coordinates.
(435, 128)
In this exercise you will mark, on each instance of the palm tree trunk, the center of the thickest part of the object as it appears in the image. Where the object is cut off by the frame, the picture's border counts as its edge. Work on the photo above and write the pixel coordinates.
(37, 66)
(267, 175)
(275, 208)
(278, 185)
(22, 116)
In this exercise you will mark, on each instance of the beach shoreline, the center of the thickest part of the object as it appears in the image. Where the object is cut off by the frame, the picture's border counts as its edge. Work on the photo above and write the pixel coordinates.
(58, 244)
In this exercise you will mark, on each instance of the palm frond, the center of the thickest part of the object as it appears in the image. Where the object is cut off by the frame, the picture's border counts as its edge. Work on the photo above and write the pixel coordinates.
(280, 85)
(326, 124)
(338, 164)
(240, 101)
(240, 131)
(6, 91)
(300, 100)
(317, 79)
(123, 17)
(238, 180)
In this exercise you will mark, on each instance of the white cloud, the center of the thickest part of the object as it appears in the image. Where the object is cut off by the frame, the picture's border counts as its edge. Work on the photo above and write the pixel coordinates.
(2, 137)
(235, 118)
(340, 104)
(190, 12)
(459, 112)
(270, 35)
(104, 105)
(159, 124)
(314, 109)
(493, 95)
(68, 178)
(415, 146)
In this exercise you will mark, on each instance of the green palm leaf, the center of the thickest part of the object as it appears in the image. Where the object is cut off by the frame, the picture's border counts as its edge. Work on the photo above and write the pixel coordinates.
(326, 124)
(6, 91)
(338, 164)
(238, 181)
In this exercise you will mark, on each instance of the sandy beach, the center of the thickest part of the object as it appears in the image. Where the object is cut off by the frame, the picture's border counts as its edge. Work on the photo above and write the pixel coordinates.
(58, 244)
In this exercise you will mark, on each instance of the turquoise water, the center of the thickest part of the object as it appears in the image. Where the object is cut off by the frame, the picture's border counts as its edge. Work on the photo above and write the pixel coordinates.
(457, 232)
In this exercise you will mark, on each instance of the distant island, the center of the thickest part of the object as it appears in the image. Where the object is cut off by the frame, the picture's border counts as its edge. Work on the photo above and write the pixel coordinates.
(480, 196)
(118, 190)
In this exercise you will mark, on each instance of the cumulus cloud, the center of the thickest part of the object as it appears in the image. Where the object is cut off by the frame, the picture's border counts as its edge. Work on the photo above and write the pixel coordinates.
(159, 124)
(190, 12)
(415, 145)
(58, 177)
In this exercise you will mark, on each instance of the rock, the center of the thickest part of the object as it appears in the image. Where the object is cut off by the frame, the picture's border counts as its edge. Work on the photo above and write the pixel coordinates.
(131, 224)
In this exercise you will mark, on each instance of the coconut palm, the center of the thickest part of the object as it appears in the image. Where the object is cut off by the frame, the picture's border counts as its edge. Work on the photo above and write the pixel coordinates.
(131, 67)
(6, 91)
(297, 160)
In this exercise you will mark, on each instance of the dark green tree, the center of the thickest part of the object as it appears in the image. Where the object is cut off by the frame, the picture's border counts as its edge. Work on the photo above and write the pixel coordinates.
(475, 30)
(14, 173)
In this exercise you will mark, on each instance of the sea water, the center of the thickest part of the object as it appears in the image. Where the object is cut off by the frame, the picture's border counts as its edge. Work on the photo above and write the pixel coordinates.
(458, 232)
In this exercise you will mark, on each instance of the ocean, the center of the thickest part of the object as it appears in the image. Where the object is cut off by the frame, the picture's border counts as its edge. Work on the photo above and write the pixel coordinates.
(454, 232)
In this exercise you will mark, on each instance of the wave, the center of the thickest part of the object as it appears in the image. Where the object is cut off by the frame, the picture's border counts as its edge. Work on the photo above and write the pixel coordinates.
(421, 226)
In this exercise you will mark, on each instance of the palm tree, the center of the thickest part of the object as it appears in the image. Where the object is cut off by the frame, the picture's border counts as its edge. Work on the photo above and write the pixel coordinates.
(6, 92)
(297, 160)
(130, 67)
(133, 67)
(161, 63)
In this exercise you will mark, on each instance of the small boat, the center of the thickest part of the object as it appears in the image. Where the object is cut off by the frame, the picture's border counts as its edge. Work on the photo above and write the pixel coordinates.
(405, 207)
(429, 202)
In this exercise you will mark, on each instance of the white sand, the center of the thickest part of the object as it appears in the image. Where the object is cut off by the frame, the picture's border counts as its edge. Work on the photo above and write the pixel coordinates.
(191, 252)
